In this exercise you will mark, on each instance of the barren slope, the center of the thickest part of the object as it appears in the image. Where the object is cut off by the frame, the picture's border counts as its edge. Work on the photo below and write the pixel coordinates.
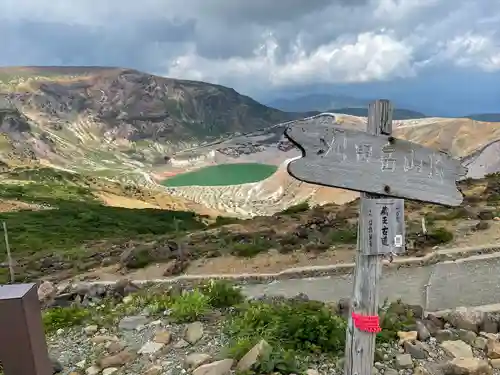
(460, 137)
(137, 128)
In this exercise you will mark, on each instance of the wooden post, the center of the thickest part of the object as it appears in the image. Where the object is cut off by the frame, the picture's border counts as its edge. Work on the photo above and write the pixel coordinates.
(360, 345)
(386, 171)
(9, 255)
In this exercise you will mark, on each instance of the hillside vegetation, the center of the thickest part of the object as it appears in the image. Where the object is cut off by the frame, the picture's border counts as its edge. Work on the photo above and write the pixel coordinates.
(51, 214)
(66, 229)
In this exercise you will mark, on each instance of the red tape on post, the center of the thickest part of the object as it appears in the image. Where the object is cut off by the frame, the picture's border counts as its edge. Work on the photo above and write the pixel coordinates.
(367, 323)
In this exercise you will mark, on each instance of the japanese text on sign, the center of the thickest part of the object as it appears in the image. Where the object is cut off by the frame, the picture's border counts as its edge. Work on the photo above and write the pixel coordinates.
(370, 229)
(384, 214)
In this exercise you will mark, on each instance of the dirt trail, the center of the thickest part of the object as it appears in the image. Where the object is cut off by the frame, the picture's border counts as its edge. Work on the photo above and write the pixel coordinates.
(273, 261)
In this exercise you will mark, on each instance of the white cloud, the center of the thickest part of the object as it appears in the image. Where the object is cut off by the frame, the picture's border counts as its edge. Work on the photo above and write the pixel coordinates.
(361, 58)
(473, 50)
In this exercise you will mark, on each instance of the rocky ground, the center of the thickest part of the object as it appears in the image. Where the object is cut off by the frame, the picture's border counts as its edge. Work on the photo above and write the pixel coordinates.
(209, 330)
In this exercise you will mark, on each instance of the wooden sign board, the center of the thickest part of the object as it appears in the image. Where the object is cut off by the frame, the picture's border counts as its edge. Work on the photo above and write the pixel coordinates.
(384, 220)
(378, 164)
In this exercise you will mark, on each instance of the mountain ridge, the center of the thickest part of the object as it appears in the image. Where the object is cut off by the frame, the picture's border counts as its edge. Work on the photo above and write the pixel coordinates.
(137, 128)
(113, 120)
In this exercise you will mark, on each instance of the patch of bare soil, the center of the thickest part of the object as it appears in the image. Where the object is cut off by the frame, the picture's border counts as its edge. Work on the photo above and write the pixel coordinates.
(272, 262)
(121, 201)
(7, 205)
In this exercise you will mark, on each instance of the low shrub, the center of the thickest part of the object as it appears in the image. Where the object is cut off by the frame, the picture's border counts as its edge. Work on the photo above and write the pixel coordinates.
(250, 249)
(189, 306)
(394, 317)
(295, 209)
(291, 325)
(222, 293)
(63, 317)
(440, 236)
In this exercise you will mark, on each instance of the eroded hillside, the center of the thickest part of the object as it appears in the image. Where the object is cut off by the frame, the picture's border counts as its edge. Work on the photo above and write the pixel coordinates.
(138, 129)
(116, 122)
(463, 138)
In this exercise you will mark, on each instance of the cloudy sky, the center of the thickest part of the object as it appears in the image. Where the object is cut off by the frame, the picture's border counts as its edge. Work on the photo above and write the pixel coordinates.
(434, 55)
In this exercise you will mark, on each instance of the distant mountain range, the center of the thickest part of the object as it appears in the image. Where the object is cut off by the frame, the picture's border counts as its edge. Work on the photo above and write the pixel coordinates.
(398, 114)
(349, 105)
(317, 102)
(488, 117)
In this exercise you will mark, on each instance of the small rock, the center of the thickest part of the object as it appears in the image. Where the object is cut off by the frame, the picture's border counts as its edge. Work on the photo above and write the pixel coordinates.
(131, 323)
(90, 330)
(115, 347)
(416, 350)
(480, 343)
(222, 367)
(489, 336)
(250, 358)
(432, 326)
(482, 225)
(485, 215)
(312, 371)
(194, 360)
(420, 370)
(181, 344)
(407, 336)
(390, 371)
(56, 366)
(423, 331)
(445, 335)
(457, 349)
(194, 332)
(93, 370)
(155, 370)
(467, 336)
(489, 325)
(46, 292)
(117, 360)
(466, 318)
(493, 349)
(99, 339)
(404, 361)
(467, 366)
(162, 337)
(109, 370)
(150, 347)
(81, 364)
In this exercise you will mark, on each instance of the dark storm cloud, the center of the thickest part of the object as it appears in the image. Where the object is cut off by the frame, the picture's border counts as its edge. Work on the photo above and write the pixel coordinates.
(265, 11)
(257, 45)
(32, 42)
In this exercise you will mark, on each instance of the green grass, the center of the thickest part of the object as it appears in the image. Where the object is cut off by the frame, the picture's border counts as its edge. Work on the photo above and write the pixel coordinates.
(221, 175)
(75, 220)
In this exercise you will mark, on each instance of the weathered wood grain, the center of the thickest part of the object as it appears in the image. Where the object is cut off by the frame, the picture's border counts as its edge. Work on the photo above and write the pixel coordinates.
(360, 345)
(373, 163)
(384, 219)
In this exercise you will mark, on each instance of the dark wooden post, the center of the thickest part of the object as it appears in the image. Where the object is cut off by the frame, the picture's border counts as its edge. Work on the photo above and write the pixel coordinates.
(23, 350)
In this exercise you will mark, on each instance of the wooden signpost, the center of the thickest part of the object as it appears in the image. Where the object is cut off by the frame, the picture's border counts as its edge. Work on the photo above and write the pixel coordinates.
(385, 170)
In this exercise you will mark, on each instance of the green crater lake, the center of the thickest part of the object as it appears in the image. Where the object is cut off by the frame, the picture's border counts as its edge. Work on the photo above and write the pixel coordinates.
(224, 174)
